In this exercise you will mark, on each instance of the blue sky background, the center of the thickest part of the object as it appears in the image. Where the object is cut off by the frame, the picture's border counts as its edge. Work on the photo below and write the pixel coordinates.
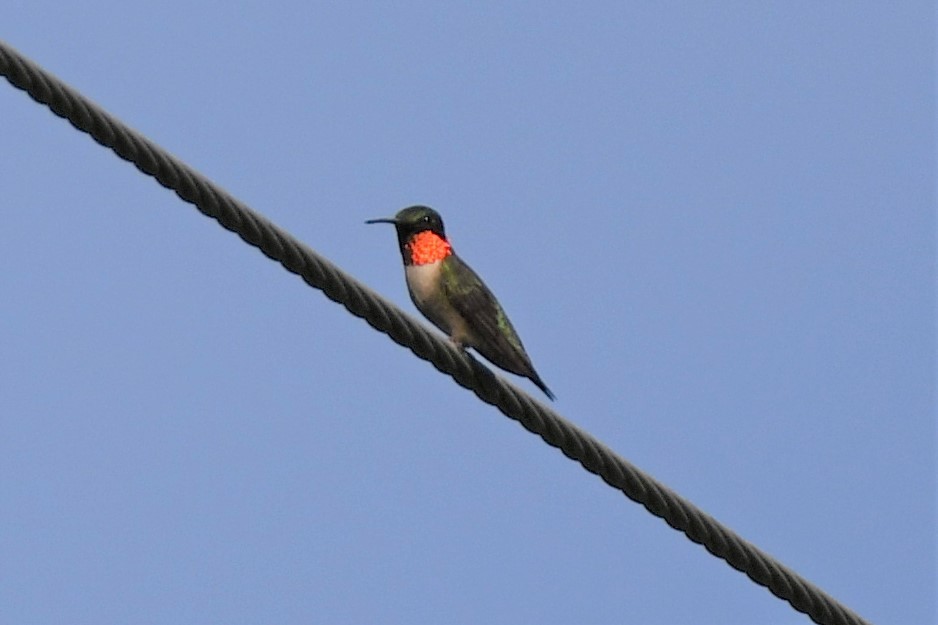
(713, 225)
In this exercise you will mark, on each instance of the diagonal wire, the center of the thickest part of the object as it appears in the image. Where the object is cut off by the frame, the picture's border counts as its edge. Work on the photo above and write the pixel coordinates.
(319, 273)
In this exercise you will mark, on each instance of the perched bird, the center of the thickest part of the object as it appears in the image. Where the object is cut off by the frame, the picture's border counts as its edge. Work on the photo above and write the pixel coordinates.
(451, 295)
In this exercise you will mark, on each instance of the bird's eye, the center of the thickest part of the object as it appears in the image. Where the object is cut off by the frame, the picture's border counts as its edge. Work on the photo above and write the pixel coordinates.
(426, 218)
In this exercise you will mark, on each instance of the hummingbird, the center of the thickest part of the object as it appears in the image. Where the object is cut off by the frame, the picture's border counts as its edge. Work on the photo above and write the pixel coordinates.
(452, 296)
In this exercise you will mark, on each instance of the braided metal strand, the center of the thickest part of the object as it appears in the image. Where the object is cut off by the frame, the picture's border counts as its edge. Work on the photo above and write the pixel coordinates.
(385, 317)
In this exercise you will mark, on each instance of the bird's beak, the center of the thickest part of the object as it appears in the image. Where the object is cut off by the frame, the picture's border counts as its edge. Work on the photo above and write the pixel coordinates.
(382, 220)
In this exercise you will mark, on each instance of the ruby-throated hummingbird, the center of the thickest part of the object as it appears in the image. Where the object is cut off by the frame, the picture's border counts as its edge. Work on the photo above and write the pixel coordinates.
(451, 295)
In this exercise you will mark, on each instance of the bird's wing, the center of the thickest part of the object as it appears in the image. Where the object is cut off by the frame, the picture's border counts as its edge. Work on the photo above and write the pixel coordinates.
(494, 336)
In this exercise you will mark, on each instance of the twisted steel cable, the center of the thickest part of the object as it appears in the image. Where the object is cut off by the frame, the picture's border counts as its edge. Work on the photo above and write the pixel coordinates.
(404, 330)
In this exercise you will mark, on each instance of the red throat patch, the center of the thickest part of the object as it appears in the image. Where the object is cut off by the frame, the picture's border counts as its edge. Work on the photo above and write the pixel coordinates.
(428, 247)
